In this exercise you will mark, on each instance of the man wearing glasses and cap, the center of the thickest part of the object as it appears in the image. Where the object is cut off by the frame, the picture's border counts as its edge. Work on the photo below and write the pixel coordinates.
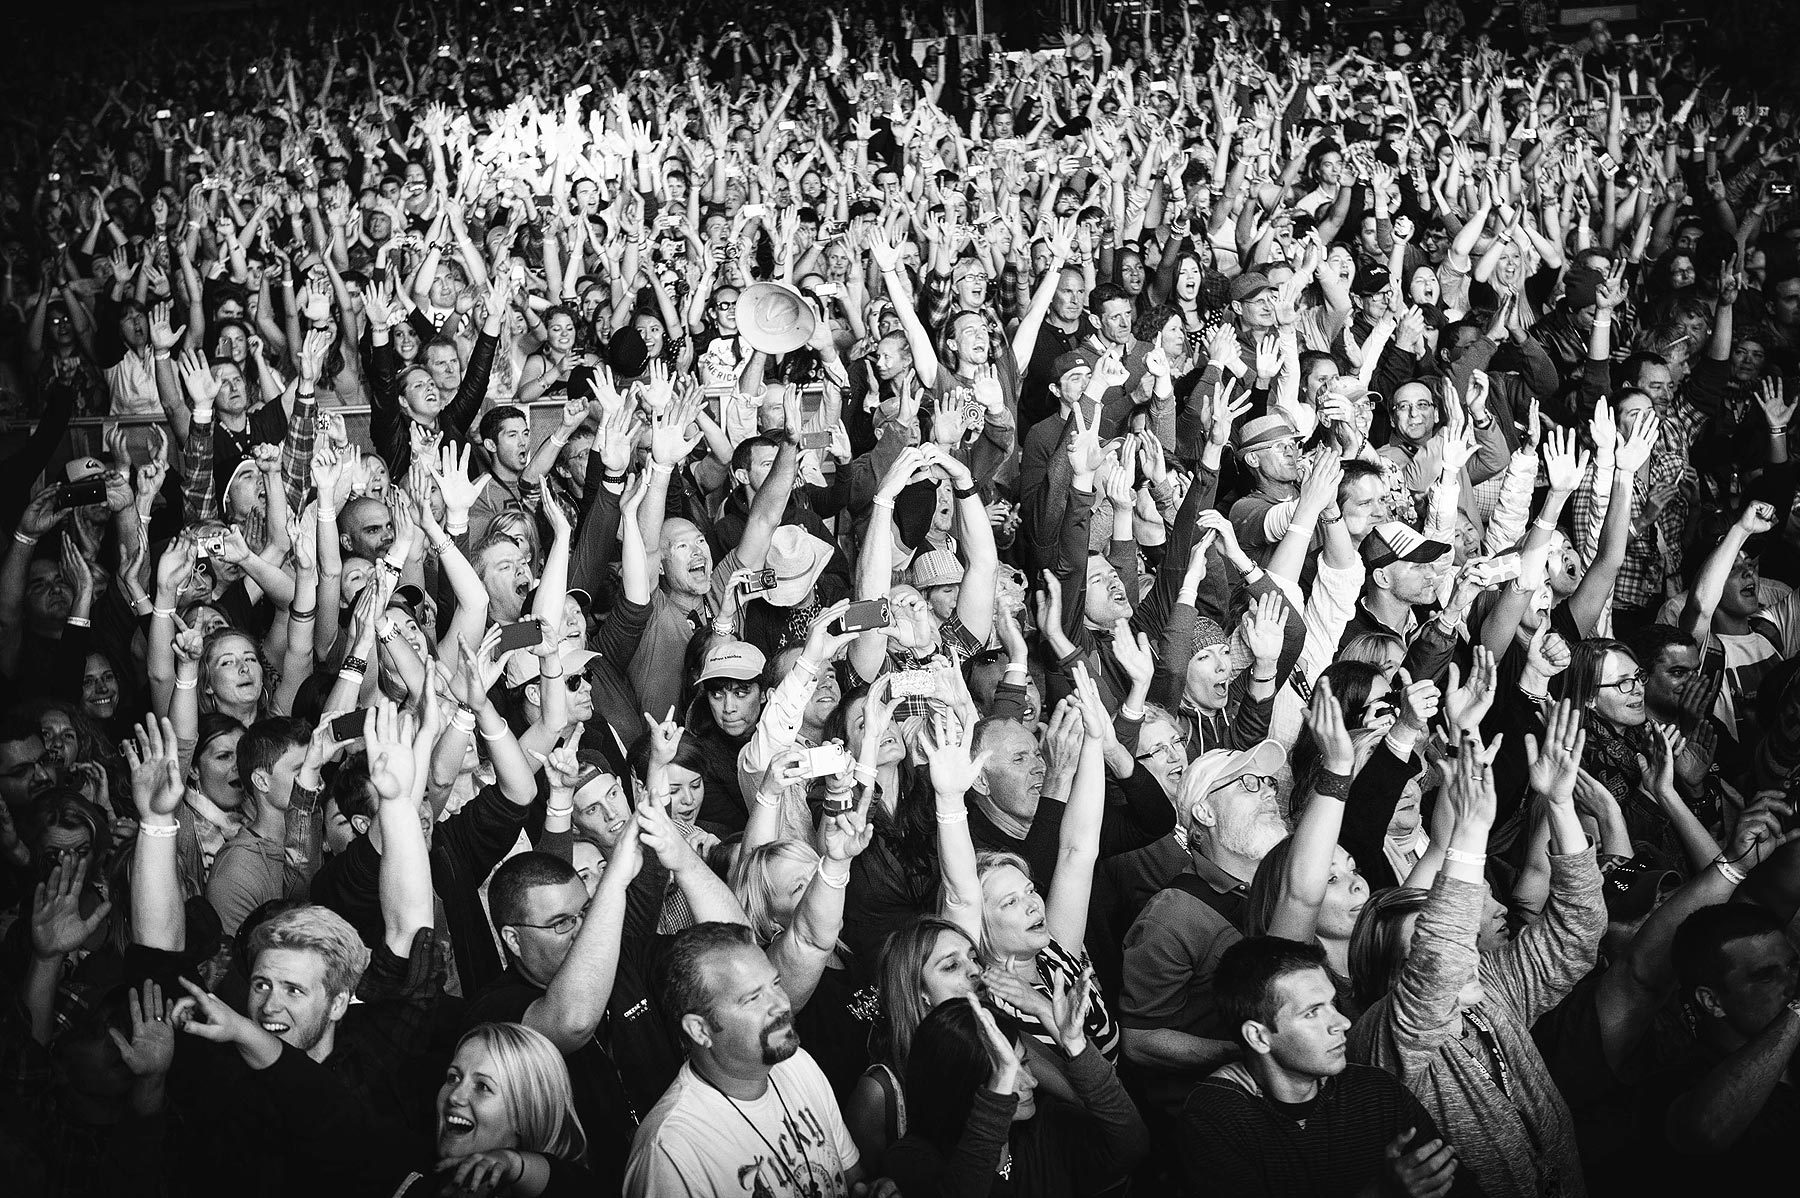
(1230, 808)
(1269, 448)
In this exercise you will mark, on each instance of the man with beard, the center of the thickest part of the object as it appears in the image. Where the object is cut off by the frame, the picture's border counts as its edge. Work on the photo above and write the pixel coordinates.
(750, 1111)
(1173, 1025)
(505, 433)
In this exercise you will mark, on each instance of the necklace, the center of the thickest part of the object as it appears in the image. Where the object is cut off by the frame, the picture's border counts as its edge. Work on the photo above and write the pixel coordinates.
(811, 1188)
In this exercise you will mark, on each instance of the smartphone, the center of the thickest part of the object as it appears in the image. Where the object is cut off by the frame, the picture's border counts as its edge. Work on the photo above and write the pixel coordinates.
(822, 761)
(522, 634)
(322, 423)
(1606, 163)
(726, 253)
(1321, 90)
(349, 726)
(913, 684)
(833, 228)
(1781, 189)
(864, 615)
(763, 580)
(80, 494)
(1505, 567)
(785, 126)
(815, 440)
(163, 114)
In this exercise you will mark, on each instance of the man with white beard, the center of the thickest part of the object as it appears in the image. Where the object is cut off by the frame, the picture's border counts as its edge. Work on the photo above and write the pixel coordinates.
(1229, 808)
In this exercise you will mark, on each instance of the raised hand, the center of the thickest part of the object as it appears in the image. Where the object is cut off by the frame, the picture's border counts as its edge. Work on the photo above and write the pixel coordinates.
(948, 754)
(1556, 763)
(58, 927)
(1264, 627)
(1004, 1059)
(1325, 718)
(156, 785)
(1467, 701)
(389, 738)
(1635, 449)
(451, 473)
(1776, 407)
(1415, 702)
(151, 1049)
(1564, 464)
(665, 737)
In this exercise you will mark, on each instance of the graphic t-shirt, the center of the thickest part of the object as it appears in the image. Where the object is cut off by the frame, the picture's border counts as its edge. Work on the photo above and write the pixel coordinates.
(789, 1143)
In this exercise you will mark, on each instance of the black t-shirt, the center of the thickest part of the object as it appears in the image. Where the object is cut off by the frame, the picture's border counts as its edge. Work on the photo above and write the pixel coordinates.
(464, 850)
(599, 1087)
(266, 425)
(1746, 1165)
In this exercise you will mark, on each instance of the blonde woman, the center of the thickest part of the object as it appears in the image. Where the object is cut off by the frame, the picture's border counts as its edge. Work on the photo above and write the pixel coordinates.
(506, 1121)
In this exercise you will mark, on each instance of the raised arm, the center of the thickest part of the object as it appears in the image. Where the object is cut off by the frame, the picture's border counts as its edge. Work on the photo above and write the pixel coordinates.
(1078, 849)
(1308, 874)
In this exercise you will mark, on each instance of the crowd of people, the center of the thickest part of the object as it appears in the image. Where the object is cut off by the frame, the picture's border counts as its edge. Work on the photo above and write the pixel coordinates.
(832, 608)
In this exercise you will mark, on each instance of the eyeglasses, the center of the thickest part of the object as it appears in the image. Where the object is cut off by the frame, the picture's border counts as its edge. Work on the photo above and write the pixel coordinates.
(1631, 684)
(726, 305)
(1249, 783)
(574, 681)
(1168, 751)
(562, 925)
(1415, 409)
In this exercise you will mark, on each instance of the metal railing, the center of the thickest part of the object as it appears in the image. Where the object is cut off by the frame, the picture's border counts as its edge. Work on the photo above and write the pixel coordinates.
(86, 432)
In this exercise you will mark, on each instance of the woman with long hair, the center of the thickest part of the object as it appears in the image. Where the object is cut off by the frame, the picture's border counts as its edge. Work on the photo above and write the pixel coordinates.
(1449, 1000)
(1038, 941)
(977, 1123)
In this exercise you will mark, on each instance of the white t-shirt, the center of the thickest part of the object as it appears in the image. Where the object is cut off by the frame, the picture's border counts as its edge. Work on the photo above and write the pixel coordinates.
(697, 1143)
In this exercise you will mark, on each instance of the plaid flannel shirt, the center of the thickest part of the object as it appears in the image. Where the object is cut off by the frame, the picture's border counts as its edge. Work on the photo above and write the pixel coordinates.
(1649, 560)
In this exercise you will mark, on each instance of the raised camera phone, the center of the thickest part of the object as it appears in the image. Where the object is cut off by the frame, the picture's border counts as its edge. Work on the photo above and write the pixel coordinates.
(762, 580)
(864, 615)
(350, 725)
(81, 492)
(521, 634)
(815, 440)
(913, 684)
(825, 760)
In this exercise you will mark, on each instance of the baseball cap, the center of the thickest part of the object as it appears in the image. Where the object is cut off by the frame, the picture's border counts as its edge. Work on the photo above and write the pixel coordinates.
(1247, 286)
(798, 558)
(1221, 765)
(1368, 282)
(80, 468)
(627, 353)
(522, 665)
(737, 660)
(1581, 288)
(1074, 359)
(1264, 431)
(936, 568)
(1396, 542)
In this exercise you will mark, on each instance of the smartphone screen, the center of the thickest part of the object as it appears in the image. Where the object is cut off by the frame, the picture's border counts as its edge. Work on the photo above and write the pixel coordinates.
(523, 634)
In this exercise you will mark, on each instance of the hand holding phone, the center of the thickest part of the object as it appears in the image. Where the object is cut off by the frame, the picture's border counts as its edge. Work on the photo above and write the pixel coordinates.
(864, 615)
